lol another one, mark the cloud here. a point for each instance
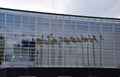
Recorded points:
(106, 8)
(114, 11)
(56, 6)
(94, 7)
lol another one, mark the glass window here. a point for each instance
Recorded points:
(25, 19)
(72, 22)
(39, 21)
(17, 19)
(32, 20)
(10, 18)
(2, 17)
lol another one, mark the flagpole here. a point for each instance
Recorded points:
(82, 49)
(94, 39)
(88, 50)
(100, 50)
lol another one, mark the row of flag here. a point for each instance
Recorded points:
(52, 40)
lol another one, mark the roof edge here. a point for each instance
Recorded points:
(59, 14)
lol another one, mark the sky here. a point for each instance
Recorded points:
(99, 8)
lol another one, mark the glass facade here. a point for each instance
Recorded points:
(32, 39)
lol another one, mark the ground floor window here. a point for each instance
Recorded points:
(26, 76)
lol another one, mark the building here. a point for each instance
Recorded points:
(32, 40)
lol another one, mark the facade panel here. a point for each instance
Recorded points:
(30, 39)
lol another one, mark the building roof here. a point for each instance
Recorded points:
(58, 14)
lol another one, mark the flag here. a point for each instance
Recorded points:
(66, 40)
(78, 39)
(94, 38)
(73, 40)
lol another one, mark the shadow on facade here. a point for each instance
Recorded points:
(59, 72)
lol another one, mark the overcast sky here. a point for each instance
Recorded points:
(106, 8)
